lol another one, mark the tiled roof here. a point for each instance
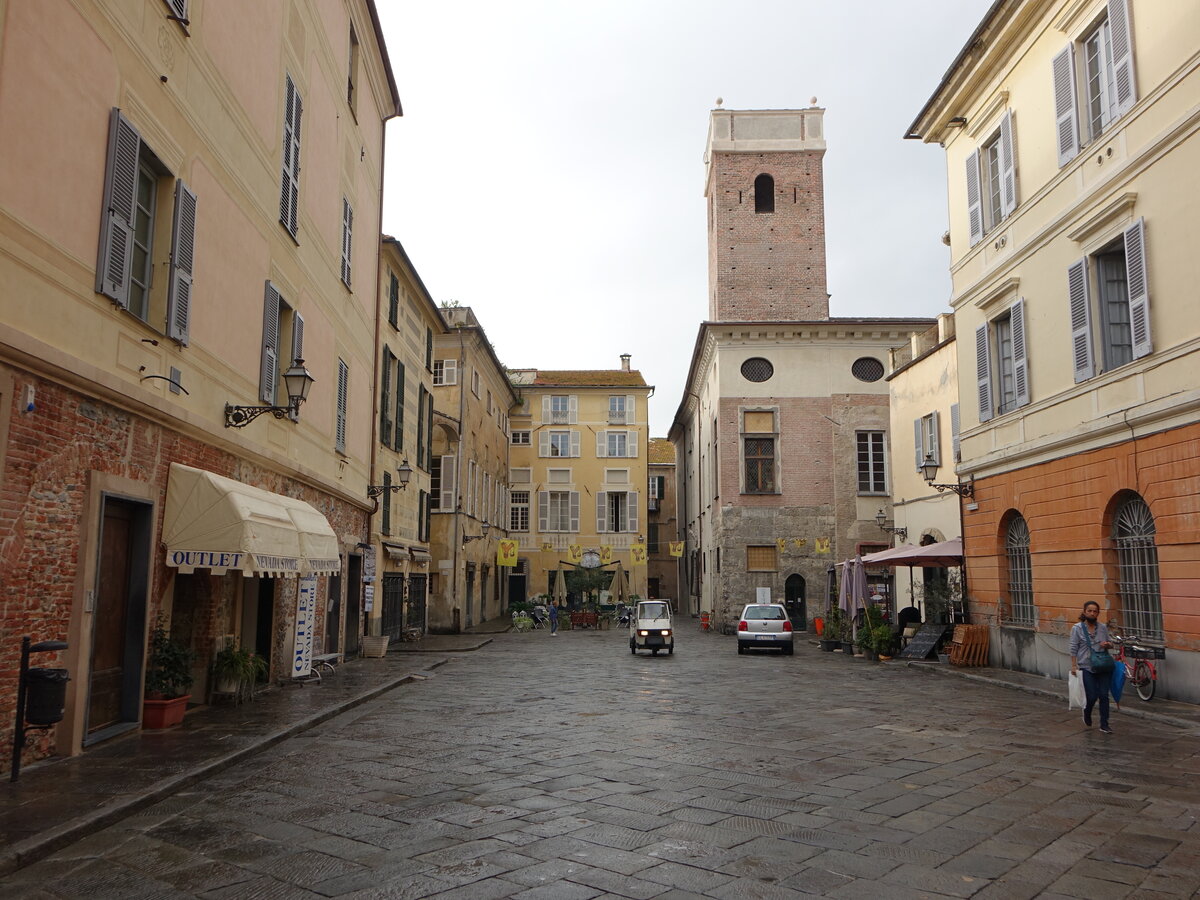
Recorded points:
(661, 452)
(591, 377)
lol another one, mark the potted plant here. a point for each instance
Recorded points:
(866, 642)
(168, 678)
(831, 633)
(236, 669)
(882, 641)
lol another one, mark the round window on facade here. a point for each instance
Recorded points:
(867, 368)
(757, 369)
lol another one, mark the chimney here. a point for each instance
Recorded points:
(625, 357)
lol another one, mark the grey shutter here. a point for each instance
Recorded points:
(543, 443)
(385, 399)
(983, 372)
(601, 444)
(1008, 166)
(1122, 54)
(631, 499)
(347, 237)
(120, 198)
(631, 442)
(546, 409)
(974, 199)
(1081, 320)
(543, 511)
(574, 511)
(428, 429)
(574, 443)
(178, 9)
(1139, 291)
(450, 371)
(601, 512)
(936, 436)
(297, 352)
(1065, 120)
(572, 410)
(447, 495)
(919, 441)
(1020, 354)
(289, 194)
(420, 431)
(343, 394)
(268, 376)
(183, 248)
(955, 428)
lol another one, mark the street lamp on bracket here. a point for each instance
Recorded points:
(298, 381)
(929, 470)
(881, 521)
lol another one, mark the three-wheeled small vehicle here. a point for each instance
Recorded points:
(650, 627)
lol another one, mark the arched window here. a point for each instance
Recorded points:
(1137, 564)
(764, 194)
(1020, 571)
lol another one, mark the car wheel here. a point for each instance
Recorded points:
(789, 650)
(671, 650)
(741, 648)
(654, 651)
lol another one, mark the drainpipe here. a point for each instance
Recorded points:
(455, 535)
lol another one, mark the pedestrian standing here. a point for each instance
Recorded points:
(553, 618)
(1089, 643)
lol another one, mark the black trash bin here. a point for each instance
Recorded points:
(45, 695)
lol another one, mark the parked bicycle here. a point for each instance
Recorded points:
(1140, 669)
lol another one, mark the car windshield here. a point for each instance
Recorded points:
(652, 611)
(763, 612)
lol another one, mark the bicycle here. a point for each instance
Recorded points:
(1140, 670)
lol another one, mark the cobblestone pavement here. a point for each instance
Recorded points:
(564, 767)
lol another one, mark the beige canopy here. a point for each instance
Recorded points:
(216, 523)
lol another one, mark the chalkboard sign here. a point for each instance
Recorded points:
(924, 643)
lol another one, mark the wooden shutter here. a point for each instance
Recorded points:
(450, 371)
(1008, 166)
(1139, 291)
(955, 428)
(385, 399)
(343, 394)
(572, 410)
(1065, 119)
(268, 376)
(399, 420)
(289, 195)
(297, 353)
(1121, 32)
(420, 431)
(574, 511)
(178, 10)
(183, 247)
(543, 443)
(631, 444)
(428, 428)
(1020, 354)
(574, 443)
(601, 444)
(631, 511)
(935, 436)
(983, 372)
(602, 512)
(919, 441)
(543, 511)
(974, 199)
(446, 498)
(386, 526)
(1081, 320)
(630, 409)
(546, 409)
(347, 239)
(429, 349)
(120, 198)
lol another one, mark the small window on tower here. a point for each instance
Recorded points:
(764, 194)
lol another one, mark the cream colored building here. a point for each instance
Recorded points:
(181, 188)
(578, 473)
(468, 475)
(409, 323)
(1071, 136)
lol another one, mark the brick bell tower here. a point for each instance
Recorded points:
(766, 215)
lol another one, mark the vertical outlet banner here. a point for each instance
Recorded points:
(306, 611)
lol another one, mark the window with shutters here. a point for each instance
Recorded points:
(352, 75)
(1109, 300)
(149, 226)
(992, 181)
(385, 502)
(420, 431)
(289, 194)
(520, 438)
(518, 511)
(347, 240)
(617, 511)
(428, 349)
(435, 483)
(1093, 80)
(559, 512)
(445, 371)
(618, 443)
(560, 409)
(385, 398)
(282, 344)
(872, 462)
(422, 515)
(560, 443)
(1002, 366)
(343, 397)
(617, 410)
(926, 440)
(393, 300)
(398, 443)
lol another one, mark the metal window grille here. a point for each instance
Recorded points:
(414, 610)
(760, 465)
(1020, 572)
(393, 606)
(1137, 563)
(757, 369)
(867, 368)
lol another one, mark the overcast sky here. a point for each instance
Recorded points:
(548, 168)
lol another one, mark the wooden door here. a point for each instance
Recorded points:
(110, 628)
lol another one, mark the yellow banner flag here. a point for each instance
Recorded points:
(547, 546)
(575, 553)
(799, 542)
(605, 554)
(506, 553)
(781, 543)
(637, 554)
(676, 547)
(822, 545)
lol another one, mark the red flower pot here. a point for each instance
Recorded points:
(164, 713)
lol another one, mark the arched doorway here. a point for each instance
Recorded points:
(795, 601)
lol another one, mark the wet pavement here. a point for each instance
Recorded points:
(564, 767)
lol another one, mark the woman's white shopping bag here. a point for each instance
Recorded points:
(1076, 698)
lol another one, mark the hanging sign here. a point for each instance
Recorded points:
(637, 555)
(575, 553)
(676, 548)
(605, 554)
(306, 611)
(506, 553)
(822, 545)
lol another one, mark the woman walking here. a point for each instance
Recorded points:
(1089, 643)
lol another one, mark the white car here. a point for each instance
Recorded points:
(765, 625)
(650, 627)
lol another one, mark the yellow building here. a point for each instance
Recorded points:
(468, 475)
(397, 567)
(578, 473)
(180, 191)
(1071, 136)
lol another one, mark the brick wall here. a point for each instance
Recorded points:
(766, 267)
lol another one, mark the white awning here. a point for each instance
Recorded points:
(216, 523)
